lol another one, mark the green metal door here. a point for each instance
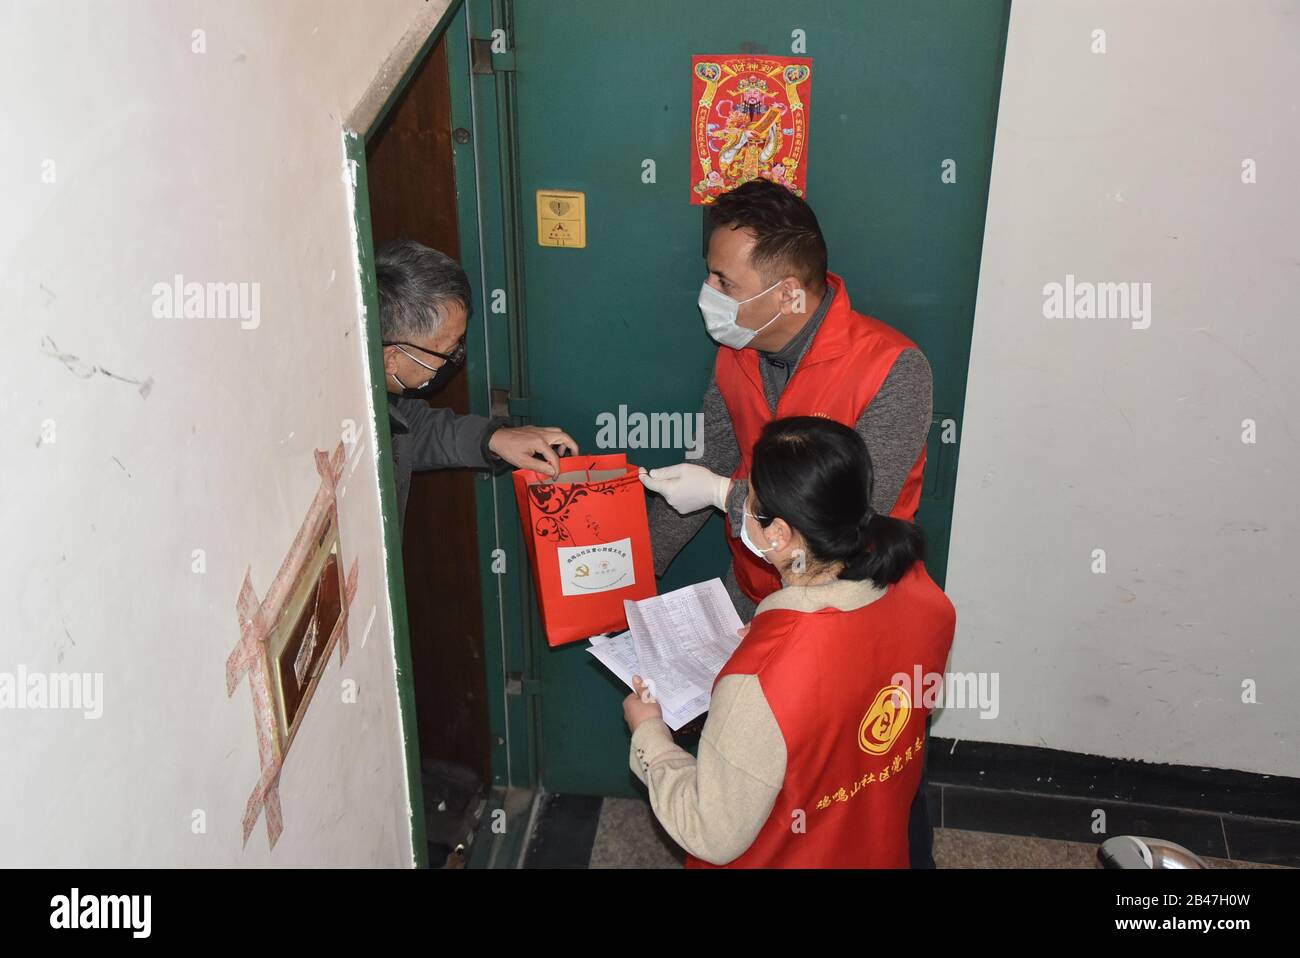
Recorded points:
(600, 87)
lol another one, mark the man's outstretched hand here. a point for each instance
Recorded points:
(521, 445)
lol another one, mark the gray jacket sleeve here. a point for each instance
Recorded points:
(441, 439)
(669, 530)
(895, 424)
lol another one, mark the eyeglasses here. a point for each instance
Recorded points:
(758, 517)
(456, 357)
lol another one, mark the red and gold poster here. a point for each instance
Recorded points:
(750, 120)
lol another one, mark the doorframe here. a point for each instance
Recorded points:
(486, 193)
(390, 532)
(488, 251)
(483, 157)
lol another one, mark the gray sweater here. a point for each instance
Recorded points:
(428, 437)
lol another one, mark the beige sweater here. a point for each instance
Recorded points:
(715, 806)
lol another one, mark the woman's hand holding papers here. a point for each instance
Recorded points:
(640, 705)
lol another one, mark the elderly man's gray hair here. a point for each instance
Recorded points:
(416, 286)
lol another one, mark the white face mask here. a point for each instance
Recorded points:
(720, 311)
(749, 543)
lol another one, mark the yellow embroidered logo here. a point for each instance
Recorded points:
(885, 720)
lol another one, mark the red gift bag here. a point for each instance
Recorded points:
(588, 541)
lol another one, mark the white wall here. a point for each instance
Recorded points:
(1090, 434)
(221, 166)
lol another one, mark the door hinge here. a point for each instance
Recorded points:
(519, 684)
(507, 406)
(500, 405)
(483, 60)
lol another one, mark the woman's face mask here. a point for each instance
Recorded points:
(749, 543)
(720, 312)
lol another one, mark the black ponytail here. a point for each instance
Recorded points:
(816, 474)
(889, 548)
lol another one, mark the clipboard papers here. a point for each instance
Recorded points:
(679, 642)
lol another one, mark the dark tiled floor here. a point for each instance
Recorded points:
(1044, 793)
(1208, 834)
(1042, 771)
(1075, 819)
(564, 832)
(955, 848)
(578, 831)
(1261, 840)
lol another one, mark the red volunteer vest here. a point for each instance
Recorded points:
(845, 366)
(853, 738)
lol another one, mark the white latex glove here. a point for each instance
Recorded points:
(688, 487)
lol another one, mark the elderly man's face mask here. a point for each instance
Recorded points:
(441, 373)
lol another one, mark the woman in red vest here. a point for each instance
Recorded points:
(811, 753)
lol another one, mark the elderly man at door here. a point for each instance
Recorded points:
(790, 344)
(424, 305)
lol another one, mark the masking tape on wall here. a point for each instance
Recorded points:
(250, 656)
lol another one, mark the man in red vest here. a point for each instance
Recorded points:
(790, 345)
